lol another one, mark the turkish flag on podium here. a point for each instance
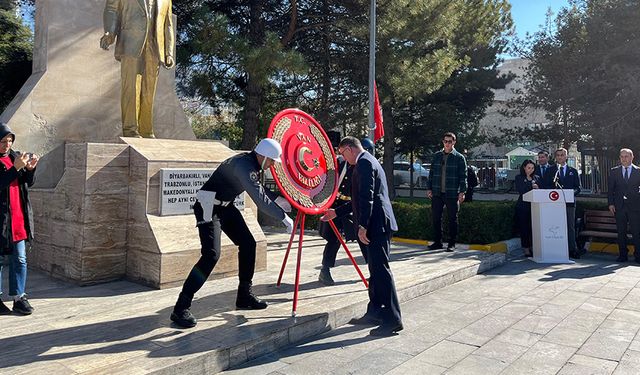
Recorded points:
(378, 132)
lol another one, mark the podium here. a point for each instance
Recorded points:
(549, 224)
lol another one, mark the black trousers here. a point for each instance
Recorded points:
(346, 227)
(468, 196)
(383, 299)
(624, 216)
(438, 202)
(523, 215)
(230, 221)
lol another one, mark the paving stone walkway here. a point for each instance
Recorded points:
(520, 318)
(124, 328)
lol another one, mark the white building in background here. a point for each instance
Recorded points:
(494, 123)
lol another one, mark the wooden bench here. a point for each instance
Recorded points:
(598, 224)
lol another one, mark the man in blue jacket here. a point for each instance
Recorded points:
(446, 187)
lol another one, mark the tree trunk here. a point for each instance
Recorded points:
(253, 93)
(389, 147)
(251, 112)
(325, 84)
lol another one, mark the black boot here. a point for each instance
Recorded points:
(325, 277)
(181, 314)
(184, 318)
(246, 300)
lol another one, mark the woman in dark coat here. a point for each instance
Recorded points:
(525, 181)
(16, 175)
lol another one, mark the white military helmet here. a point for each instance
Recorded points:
(270, 149)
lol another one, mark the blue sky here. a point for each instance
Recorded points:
(529, 15)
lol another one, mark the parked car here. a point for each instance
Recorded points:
(402, 173)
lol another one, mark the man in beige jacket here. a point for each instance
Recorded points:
(144, 36)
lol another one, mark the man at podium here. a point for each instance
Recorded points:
(562, 176)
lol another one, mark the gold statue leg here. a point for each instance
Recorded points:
(129, 98)
(148, 90)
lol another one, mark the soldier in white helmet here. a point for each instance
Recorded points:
(215, 212)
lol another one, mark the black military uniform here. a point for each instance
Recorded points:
(344, 224)
(235, 175)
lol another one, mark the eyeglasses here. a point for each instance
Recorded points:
(447, 141)
(341, 151)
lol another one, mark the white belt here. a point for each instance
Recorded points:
(221, 203)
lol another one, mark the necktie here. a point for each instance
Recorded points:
(562, 172)
(626, 173)
(543, 169)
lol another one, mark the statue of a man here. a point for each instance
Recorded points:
(144, 36)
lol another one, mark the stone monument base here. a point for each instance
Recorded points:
(102, 222)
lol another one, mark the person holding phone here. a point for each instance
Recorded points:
(17, 172)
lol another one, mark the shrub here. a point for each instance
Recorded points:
(478, 222)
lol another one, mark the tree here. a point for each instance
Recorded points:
(583, 73)
(15, 52)
(232, 52)
(437, 61)
(552, 79)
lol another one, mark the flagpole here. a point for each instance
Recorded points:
(372, 67)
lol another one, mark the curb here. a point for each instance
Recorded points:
(604, 247)
(505, 247)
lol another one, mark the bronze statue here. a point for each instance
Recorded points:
(144, 36)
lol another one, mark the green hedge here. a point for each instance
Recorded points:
(478, 222)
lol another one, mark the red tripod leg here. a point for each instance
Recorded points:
(344, 245)
(295, 292)
(286, 255)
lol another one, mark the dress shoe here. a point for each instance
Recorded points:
(366, 320)
(325, 277)
(574, 255)
(450, 247)
(184, 318)
(435, 246)
(387, 330)
(131, 134)
(621, 259)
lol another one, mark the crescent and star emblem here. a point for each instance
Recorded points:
(305, 150)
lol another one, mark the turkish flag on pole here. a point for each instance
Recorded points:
(378, 132)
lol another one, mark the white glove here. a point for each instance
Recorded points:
(288, 223)
(284, 204)
(206, 199)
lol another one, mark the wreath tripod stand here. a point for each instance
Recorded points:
(299, 223)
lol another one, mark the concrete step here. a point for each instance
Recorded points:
(124, 328)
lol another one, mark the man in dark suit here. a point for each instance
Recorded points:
(624, 202)
(373, 214)
(543, 164)
(562, 176)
